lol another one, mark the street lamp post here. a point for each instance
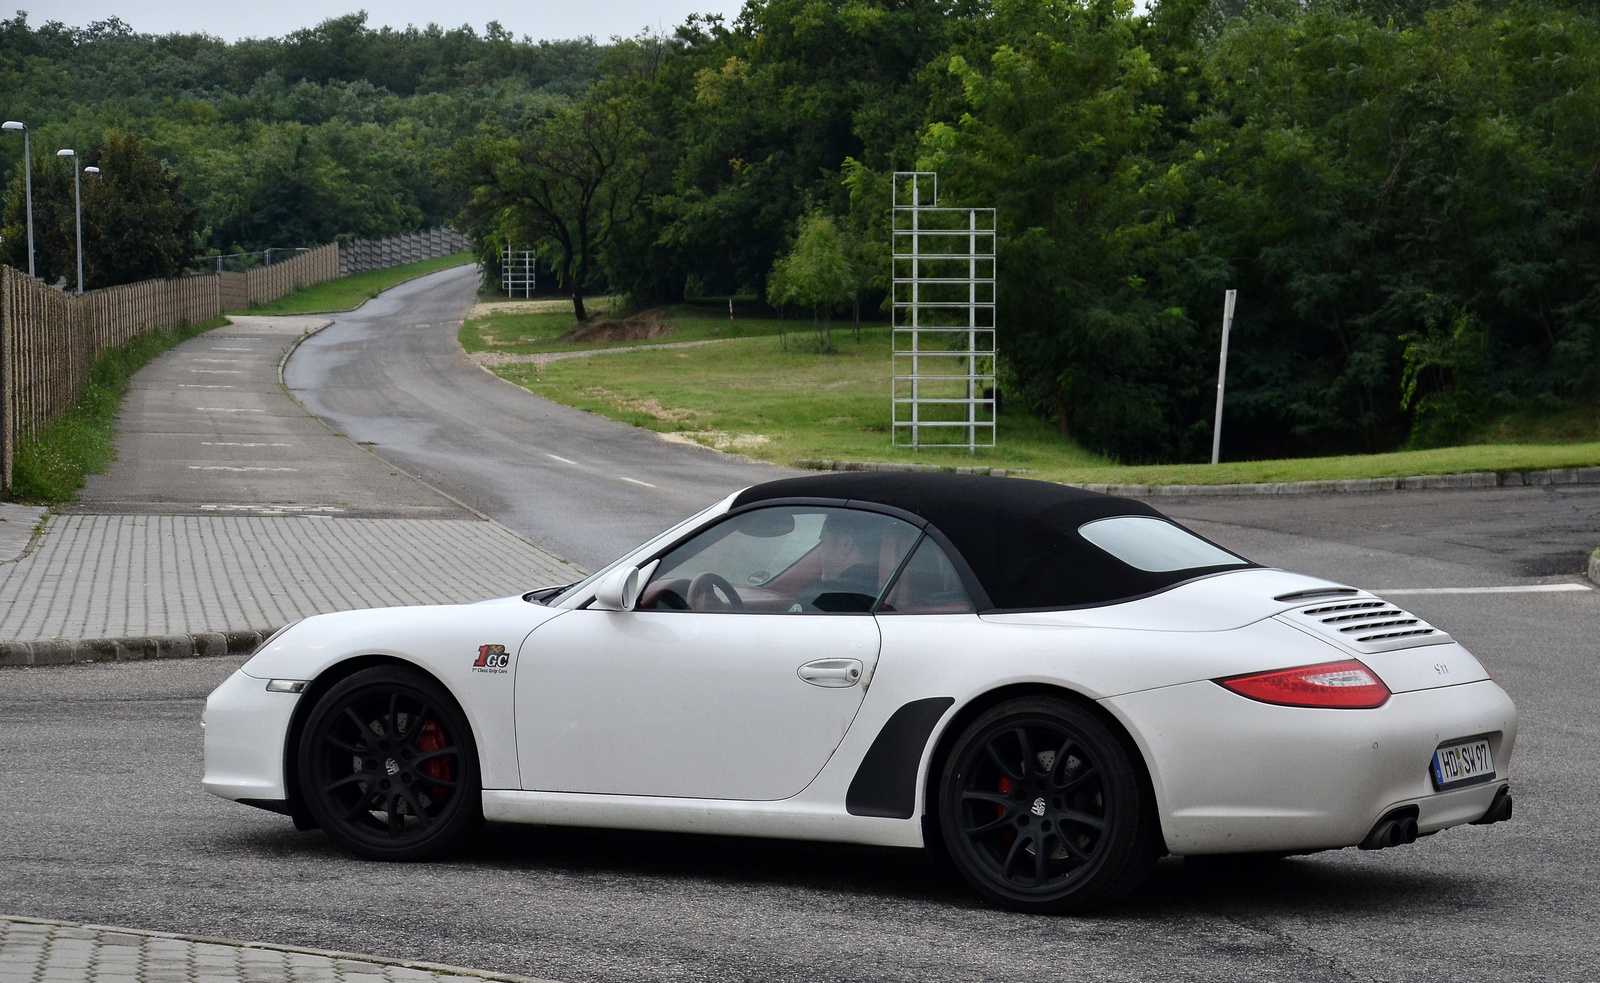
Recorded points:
(12, 126)
(77, 207)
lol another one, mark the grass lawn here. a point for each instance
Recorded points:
(520, 330)
(754, 398)
(349, 292)
(52, 467)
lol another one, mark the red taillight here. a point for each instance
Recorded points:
(1345, 685)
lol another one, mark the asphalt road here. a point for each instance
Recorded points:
(393, 375)
(207, 425)
(102, 818)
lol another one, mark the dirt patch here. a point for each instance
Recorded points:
(488, 338)
(649, 407)
(541, 306)
(718, 440)
(539, 360)
(646, 326)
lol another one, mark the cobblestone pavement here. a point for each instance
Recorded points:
(34, 951)
(105, 576)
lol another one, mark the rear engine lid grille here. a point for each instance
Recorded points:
(1367, 624)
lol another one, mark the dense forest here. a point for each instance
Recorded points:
(331, 131)
(1403, 191)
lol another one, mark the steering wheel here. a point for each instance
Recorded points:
(712, 592)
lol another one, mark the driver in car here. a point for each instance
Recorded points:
(848, 551)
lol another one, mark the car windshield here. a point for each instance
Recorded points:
(1155, 545)
(577, 589)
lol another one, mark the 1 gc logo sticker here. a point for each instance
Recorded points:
(492, 658)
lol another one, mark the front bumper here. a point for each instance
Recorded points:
(246, 727)
(1232, 775)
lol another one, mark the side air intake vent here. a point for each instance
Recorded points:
(1368, 624)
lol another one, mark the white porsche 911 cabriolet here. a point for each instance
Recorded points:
(1050, 686)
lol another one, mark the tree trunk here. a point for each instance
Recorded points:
(577, 305)
(1063, 415)
(827, 330)
(855, 316)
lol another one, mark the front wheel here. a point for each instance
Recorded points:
(1042, 809)
(388, 766)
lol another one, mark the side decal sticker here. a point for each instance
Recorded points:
(492, 659)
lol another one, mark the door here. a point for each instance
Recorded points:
(735, 678)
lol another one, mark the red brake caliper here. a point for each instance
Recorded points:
(432, 739)
(1008, 834)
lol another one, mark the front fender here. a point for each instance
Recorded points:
(456, 644)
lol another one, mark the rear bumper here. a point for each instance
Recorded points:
(1232, 775)
(245, 731)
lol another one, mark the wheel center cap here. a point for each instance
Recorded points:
(392, 767)
(1037, 810)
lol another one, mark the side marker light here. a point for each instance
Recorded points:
(286, 686)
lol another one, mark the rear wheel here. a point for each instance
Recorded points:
(388, 766)
(1043, 810)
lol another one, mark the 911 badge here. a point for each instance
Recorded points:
(492, 659)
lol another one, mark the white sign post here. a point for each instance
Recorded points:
(1222, 374)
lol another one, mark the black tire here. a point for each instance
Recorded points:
(388, 766)
(1042, 809)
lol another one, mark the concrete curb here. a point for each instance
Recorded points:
(1475, 479)
(814, 465)
(1594, 566)
(438, 969)
(66, 651)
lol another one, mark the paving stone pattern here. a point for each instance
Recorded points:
(33, 951)
(108, 576)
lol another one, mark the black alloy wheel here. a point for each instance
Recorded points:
(388, 766)
(1042, 809)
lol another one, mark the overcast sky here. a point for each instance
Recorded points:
(234, 19)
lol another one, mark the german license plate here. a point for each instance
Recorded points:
(1466, 763)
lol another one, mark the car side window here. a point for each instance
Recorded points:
(929, 584)
(783, 560)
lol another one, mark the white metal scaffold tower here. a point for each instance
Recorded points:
(943, 318)
(517, 275)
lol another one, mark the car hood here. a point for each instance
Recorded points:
(1219, 602)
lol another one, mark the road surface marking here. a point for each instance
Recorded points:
(230, 361)
(225, 409)
(218, 371)
(1518, 589)
(217, 349)
(235, 443)
(636, 481)
(224, 467)
(196, 385)
(557, 457)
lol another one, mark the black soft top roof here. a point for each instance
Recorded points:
(1019, 537)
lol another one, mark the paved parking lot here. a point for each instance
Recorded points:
(103, 820)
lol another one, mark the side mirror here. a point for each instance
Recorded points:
(618, 590)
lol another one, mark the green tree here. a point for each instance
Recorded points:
(1056, 124)
(816, 273)
(55, 243)
(136, 223)
(564, 185)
